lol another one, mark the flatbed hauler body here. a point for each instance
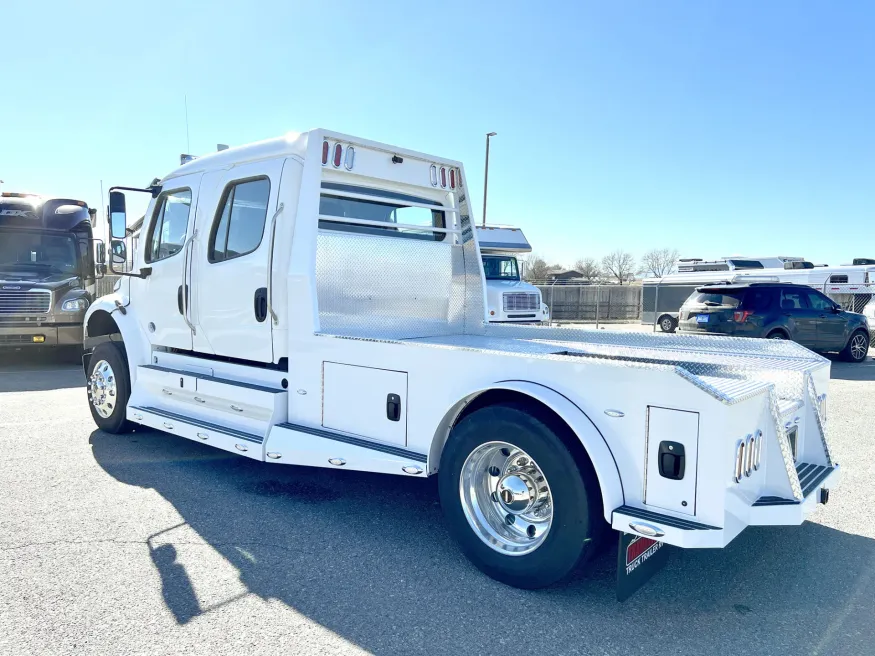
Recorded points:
(319, 300)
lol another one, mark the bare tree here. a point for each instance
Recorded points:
(589, 269)
(619, 265)
(537, 268)
(659, 261)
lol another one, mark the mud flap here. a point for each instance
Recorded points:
(638, 559)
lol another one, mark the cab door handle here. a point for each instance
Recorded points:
(393, 407)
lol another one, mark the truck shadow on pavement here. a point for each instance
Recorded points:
(368, 557)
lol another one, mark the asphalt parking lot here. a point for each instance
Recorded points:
(148, 543)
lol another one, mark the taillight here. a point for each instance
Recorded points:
(338, 154)
(452, 178)
(443, 177)
(325, 149)
(741, 316)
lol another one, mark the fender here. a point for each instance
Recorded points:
(592, 440)
(136, 345)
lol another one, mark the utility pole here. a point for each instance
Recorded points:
(486, 176)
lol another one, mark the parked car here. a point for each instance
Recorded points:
(777, 311)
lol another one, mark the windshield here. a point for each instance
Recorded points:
(500, 268)
(37, 251)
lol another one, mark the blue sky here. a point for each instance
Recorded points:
(712, 127)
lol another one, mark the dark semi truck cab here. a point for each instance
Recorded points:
(47, 270)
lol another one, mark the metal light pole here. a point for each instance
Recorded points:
(486, 175)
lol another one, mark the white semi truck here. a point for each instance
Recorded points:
(318, 299)
(509, 298)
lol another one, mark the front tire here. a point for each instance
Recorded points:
(857, 347)
(109, 388)
(515, 499)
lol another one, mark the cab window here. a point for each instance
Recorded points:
(169, 225)
(240, 219)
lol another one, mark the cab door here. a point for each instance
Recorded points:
(832, 326)
(163, 305)
(231, 269)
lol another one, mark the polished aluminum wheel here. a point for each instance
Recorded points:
(102, 388)
(506, 498)
(859, 346)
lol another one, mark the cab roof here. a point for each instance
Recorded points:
(292, 144)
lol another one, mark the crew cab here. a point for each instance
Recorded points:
(318, 299)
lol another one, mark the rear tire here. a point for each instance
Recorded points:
(777, 334)
(510, 451)
(109, 388)
(857, 347)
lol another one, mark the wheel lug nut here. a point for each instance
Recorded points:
(509, 519)
(522, 461)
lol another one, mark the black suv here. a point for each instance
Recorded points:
(777, 311)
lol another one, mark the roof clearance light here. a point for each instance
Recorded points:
(338, 155)
(325, 149)
(432, 174)
(452, 178)
(350, 158)
(443, 177)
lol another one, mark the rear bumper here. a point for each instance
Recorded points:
(686, 532)
(18, 336)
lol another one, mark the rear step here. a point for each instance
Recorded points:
(810, 477)
(666, 528)
(777, 511)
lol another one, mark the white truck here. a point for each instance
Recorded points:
(318, 299)
(509, 298)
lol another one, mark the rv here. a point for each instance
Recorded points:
(319, 300)
(47, 270)
(509, 299)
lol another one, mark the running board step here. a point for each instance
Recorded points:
(666, 528)
(245, 406)
(810, 477)
(198, 430)
(317, 447)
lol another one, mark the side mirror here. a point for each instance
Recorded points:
(119, 252)
(118, 220)
(837, 309)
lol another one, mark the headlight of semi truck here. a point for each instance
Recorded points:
(75, 305)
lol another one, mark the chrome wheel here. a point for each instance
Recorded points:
(102, 388)
(859, 346)
(506, 498)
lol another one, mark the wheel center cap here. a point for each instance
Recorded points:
(516, 493)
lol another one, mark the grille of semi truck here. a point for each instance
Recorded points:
(16, 301)
(521, 301)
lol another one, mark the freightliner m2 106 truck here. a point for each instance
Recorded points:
(47, 270)
(318, 299)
